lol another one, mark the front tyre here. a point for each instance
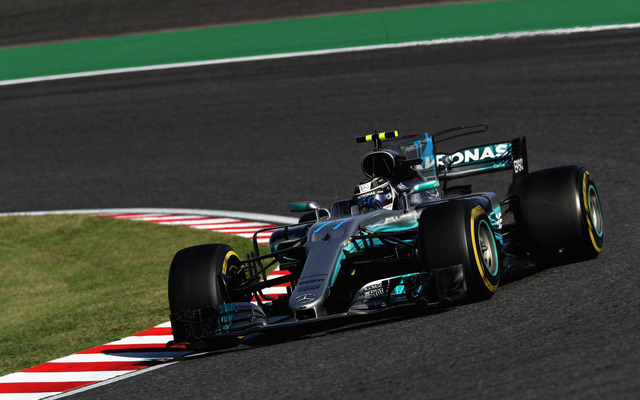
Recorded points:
(459, 232)
(195, 281)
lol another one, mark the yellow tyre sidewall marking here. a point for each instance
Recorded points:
(474, 215)
(225, 263)
(587, 207)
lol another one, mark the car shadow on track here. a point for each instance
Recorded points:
(332, 327)
(354, 323)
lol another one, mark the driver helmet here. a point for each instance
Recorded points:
(374, 194)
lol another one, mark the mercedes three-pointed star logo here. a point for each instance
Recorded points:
(305, 298)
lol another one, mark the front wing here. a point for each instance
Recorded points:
(232, 320)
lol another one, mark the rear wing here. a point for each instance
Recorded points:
(484, 159)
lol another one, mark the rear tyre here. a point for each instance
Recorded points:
(560, 213)
(459, 232)
(195, 281)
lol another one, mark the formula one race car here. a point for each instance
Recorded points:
(406, 238)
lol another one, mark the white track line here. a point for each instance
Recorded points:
(77, 376)
(27, 396)
(147, 339)
(58, 395)
(273, 219)
(498, 36)
(131, 356)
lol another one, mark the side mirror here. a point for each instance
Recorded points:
(419, 188)
(424, 186)
(308, 206)
(303, 206)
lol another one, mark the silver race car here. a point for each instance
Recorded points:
(405, 239)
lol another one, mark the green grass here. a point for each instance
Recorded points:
(73, 282)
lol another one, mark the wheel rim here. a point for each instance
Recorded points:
(487, 248)
(595, 213)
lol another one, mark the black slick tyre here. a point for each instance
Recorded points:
(459, 232)
(195, 279)
(560, 213)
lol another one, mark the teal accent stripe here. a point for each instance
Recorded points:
(340, 224)
(307, 34)
(320, 228)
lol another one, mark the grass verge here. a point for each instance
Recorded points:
(73, 282)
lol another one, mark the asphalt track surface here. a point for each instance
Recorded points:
(252, 137)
